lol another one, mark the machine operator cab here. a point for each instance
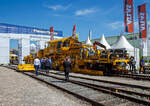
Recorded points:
(59, 45)
(87, 51)
(119, 58)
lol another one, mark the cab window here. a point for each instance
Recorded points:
(66, 44)
(59, 44)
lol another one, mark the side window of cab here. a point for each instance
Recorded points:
(59, 44)
(66, 43)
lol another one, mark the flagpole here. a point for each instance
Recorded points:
(133, 28)
(146, 2)
(144, 40)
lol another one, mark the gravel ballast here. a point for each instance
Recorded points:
(114, 79)
(17, 89)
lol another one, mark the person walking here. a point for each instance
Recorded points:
(142, 63)
(50, 63)
(133, 63)
(67, 66)
(36, 65)
(43, 62)
(47, 65)
(130, 64)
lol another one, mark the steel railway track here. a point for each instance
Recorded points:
(134, 76)
(104, 81)
(130, 94)
(93, 93)
(97, 96)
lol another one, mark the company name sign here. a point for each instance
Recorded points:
(8, 28)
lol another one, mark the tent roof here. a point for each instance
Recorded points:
(88, 42)
(122, 43)
(104, 42)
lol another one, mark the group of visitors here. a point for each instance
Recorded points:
(46, 64)
(43, 63)
(132, 64)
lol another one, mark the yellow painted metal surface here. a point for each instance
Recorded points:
(89, 72)
(26, 67)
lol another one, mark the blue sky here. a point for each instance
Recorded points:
(101, 16)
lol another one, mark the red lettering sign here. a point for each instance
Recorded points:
(142, 21)
(128, 16)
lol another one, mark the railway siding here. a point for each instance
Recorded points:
(93, 96)
(96, 92)
(17, 89)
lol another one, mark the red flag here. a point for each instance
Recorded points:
(128, 16)
(142, 21)
(74, 31)
(51, 33)
(74, 28)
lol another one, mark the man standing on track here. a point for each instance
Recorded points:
(37, 65)
(67, 66)
(50, 63)
(142, 63)
(132, 64)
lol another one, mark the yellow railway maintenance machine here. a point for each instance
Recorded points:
(85, 58)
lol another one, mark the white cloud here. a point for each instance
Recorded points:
(59, 7)
(116, 25)
(85, 11)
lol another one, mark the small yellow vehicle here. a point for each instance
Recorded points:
(25, 67)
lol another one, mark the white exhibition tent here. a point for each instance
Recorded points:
(88, 42)
(104, 42)
(123, 43)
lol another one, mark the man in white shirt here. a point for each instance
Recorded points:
(36, 65)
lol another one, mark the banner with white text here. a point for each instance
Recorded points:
(142, 21)
(128, 16)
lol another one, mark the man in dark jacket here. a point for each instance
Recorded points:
(43, 61)
(47, 65)
(67, 66)
(132, 64)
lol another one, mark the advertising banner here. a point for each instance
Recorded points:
(142, 21)
(17, 29)
(128, 16)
